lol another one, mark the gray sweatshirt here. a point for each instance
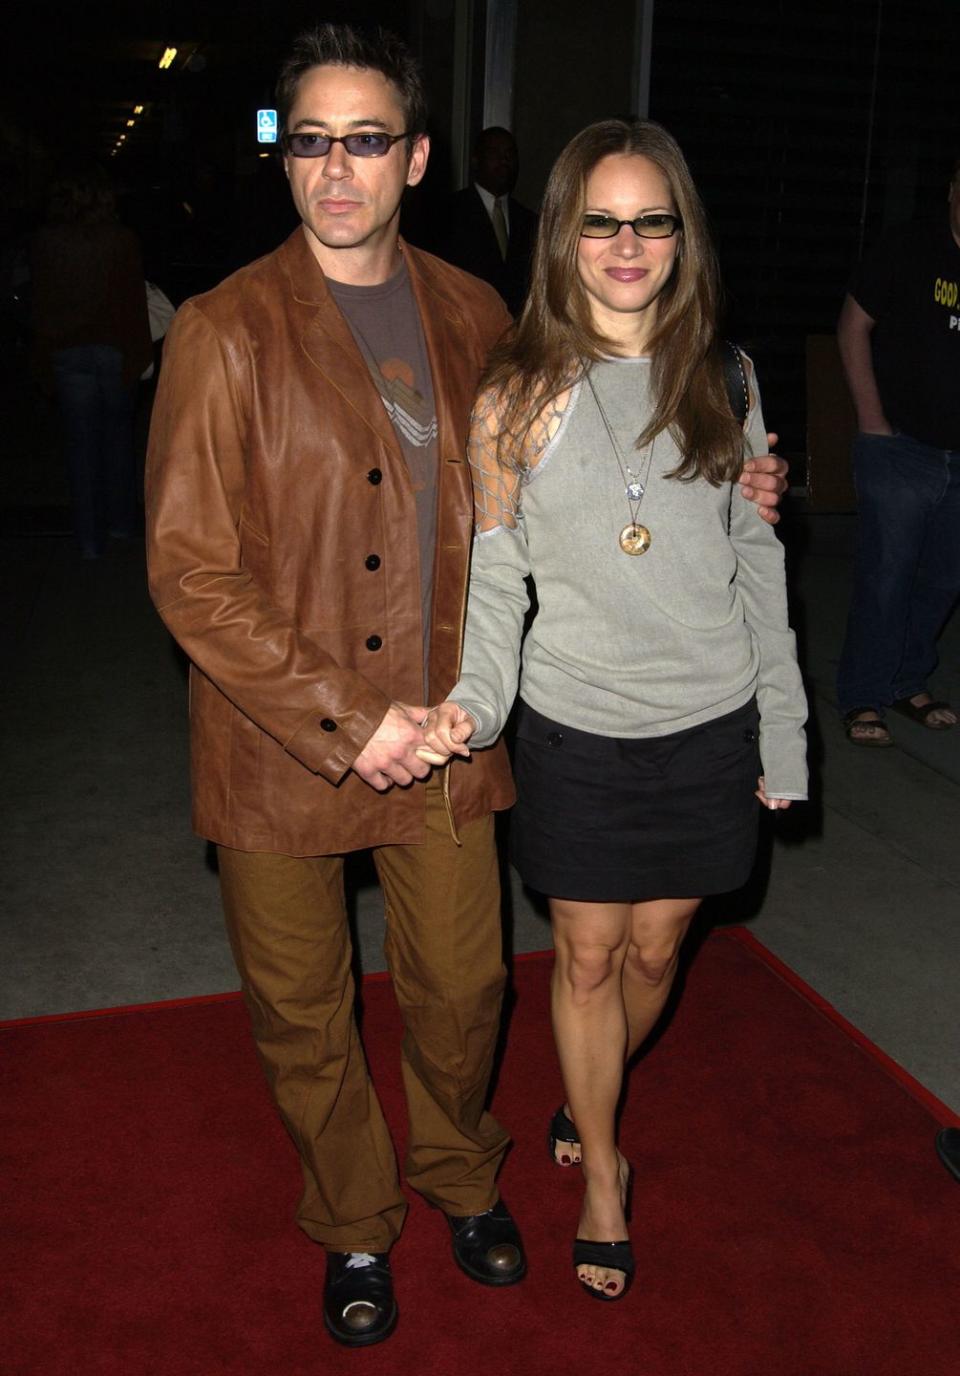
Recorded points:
(643, 645)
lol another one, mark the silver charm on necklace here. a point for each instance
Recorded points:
(634, 490)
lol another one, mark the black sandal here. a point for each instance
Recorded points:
(562, 1129)
(358, 1304)
(873, 732)
(614, 1256)
(920, 712)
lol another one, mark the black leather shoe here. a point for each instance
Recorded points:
(358, 1304)
(948, 1149)
(487, 1247)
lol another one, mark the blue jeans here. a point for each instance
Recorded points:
(907, 573)
(97, 410)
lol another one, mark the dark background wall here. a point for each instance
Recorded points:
(574, 60)
(808, 127)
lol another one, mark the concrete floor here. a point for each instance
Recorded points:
(108, 899)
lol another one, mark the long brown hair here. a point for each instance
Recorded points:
(555, 340)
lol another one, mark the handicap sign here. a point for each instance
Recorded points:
(266, 126)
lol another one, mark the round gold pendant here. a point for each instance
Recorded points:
(634, 539)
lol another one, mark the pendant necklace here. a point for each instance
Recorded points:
(634, 538)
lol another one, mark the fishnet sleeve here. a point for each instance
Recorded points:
(496, 485)
(498, 478)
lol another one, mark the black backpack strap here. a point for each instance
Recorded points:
(735, 379)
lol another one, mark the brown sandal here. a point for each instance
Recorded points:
(867, 731)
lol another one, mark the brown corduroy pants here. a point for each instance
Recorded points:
(286, 919)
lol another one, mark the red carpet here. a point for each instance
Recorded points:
(790, 1215)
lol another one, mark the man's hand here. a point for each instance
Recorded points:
(390, 755)
(447, 729)
(764, 480)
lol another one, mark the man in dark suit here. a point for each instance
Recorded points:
(485, 230)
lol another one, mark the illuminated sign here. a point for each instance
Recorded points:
(266, 126)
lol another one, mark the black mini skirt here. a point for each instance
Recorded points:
(601, 819)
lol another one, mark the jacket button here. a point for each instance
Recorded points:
(374, 476)
(373, 642)
(372, 562)
(555, 738)
(328, 725)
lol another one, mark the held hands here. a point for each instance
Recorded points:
(774, 804)
(411, 739)
(764, 480)
(391, 756)
(446, 730)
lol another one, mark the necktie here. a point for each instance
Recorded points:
(498, 219)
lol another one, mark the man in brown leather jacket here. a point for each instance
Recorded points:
(309, 516)
(309, 510)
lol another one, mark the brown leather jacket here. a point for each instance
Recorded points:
(273, 472)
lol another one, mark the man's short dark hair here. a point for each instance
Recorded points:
(341, 45)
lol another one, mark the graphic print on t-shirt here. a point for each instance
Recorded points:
(412, 414)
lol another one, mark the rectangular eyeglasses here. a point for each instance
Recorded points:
(370, 144)
(644, 226)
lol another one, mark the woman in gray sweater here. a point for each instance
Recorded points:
(659, 691)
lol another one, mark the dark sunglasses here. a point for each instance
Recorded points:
(644, 226)
(368, 145)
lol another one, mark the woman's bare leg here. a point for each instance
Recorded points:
(614, 968)
(656, 935)
(590, 1027)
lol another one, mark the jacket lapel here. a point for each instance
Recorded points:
(441, 322)
(328, 342)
